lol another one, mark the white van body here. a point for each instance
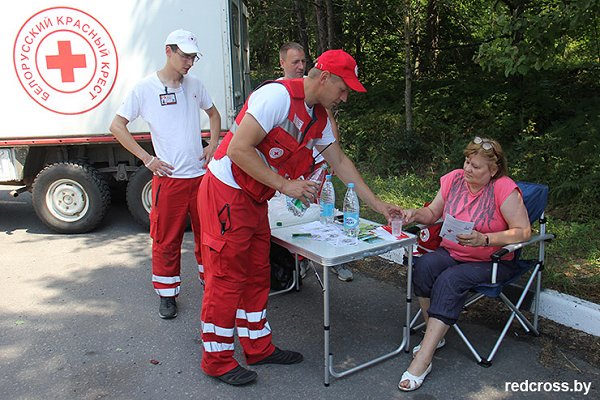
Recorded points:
(69, 66)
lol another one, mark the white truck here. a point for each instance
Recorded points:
(67, 67)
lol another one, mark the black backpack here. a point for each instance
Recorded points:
(282, 267)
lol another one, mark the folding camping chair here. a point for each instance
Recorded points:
(535, 197)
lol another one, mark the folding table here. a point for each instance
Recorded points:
(328, 255)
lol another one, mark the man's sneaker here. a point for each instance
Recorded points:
(343, 273)
(281, 357)
(238, 376)
(168, 308)
(305, 265)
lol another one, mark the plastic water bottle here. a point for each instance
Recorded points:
(318, 176)
(327, 201)
(295, 206)
(351, 212)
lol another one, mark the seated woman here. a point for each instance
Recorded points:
(482, 193)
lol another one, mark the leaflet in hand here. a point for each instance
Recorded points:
(452, 227)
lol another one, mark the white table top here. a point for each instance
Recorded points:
(327, 254)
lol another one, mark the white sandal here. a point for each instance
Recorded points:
(440, 344)
(414, 382)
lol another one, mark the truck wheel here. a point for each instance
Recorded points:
(139, 196)
(70, 197)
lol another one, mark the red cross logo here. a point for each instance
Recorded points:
(66, 61)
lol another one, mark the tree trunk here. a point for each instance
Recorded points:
(302, 28)
(516, 9)
(408, 68)
(334, 28)
(431, 39)
(321, 17)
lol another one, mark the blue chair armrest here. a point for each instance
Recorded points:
(511, 248)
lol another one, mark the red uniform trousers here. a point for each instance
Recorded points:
(173, 199)
(236, 241)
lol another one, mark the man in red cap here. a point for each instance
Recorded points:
(292, 60)
(267, 149)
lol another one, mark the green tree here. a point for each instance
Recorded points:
(537, 35)
(525, 72)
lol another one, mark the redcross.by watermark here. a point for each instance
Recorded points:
(536, 386)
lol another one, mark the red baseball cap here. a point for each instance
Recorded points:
(340, 63)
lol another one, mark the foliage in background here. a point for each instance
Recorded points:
(549, 128)
(524, 72)
(534, 35)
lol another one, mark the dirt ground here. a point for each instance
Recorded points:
(558, 341)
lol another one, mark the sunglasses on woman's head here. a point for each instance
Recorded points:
(486, 144)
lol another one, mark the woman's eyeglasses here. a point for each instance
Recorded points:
(486, 144)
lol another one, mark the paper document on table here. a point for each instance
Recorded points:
(331, 233)
(453, 226)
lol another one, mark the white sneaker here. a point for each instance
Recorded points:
(343, 273)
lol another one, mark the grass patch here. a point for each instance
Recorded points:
(572, 260)
(407, 191)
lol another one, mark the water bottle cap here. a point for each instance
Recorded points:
(327, 176)
(350, 185)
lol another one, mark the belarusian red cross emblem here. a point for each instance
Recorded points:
(66, 61)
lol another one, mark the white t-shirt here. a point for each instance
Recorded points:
(270, 106)
(175, 128)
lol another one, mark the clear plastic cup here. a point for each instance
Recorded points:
(397, 226)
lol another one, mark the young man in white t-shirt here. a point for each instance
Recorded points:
(170, 101)
(292, 59)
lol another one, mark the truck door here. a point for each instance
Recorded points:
(240, 65)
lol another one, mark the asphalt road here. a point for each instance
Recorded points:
(79, 320)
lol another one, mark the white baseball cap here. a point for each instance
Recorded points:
(185, 40)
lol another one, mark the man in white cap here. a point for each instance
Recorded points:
(170, 100)
(267, 150)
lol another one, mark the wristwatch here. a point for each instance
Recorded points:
(487, 240)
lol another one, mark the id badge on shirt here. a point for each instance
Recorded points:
(167, 99)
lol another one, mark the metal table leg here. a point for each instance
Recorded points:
(409, 273)
(295, 279)
(328, 361)
(329, 370)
